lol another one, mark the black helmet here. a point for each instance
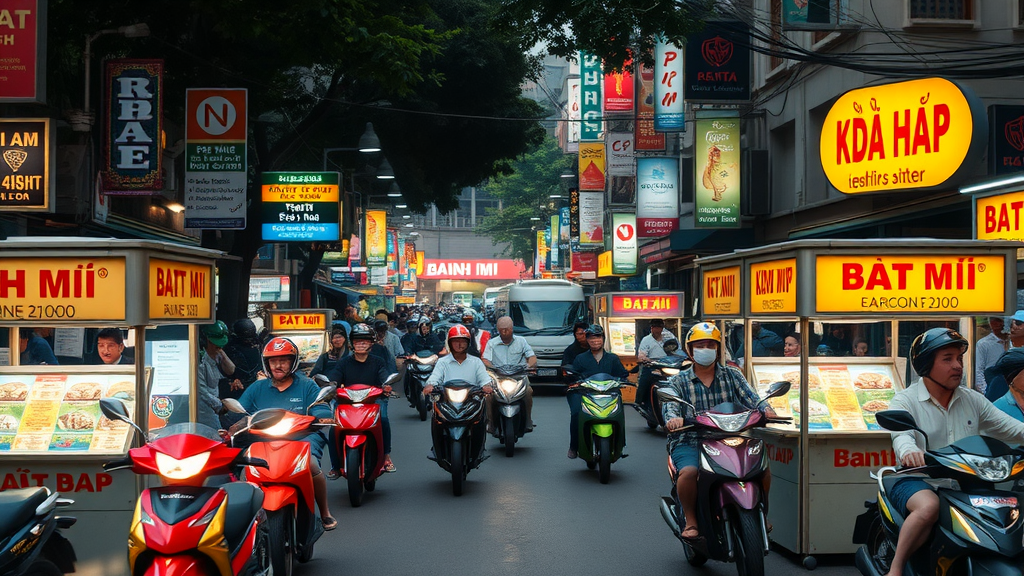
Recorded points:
(595, 330)
(922, 351)
(380, 325)
(362, 332)
(244, 328)
(1010, 364)
(670, 346)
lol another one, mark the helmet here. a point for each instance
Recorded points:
(343, 325)
(244, 329)
(380, 325)
(1010, 364)
(823, 350)
(670, 346)
(703, 331)
(924, 347)
(216, 333)
(595, 330)
(362, 332)
(278, 347)
(457, 331)
(468, 318)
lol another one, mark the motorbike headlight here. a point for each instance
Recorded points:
(170, 467)
(282, 428)
(508, 386)
(990, 469)
(669, 371)
(456, 395)
(730, 422)
(301, 465)
(359, 395)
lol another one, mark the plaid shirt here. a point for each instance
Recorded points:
(729, 385)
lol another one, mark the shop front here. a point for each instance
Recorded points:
(626, 318)
(80, 294)
(836, 318)
(309, 329)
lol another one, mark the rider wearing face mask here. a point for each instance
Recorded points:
(705, 384)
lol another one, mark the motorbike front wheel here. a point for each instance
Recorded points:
(43, 567)
(282, 535)
(509, 426)
(750, 543)
(604, 462)
(880, 549)
(458, 472)
(421, 406)
(353, 459)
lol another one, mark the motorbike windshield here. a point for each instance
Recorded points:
(554, 318)
(185, 428)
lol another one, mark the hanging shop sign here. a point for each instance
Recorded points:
(624, 244)
(773, 287)
(647, 305)
(574, 215)
(301, 320)
(604, 264)
(592, 123)
(717, 173)
(965, 283)
(542, 253)
(814, 15)
(133, 105)
(999, 217)
(585, 264)
(718, 63)
(555, 241)
(592, 166)
(216, 161)
(618, 90)
(646, 137)
(59, 289)
(179, 290)
(472, 269)
(23, 63)
(721, 291)
(1006, 139)
(668, 88)
(621, 160)
(657, 197)
(301, 206)
(376, 237)
(564, 238)
(591, 218)
(573, 114)
(27, 148)
(919, 134)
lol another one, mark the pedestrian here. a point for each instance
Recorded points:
(988, 350)
(33, 349)
(243, 349)
(110, 347)
(214, 366)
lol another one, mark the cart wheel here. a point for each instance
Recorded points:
(810, 562)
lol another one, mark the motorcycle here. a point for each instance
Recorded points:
(978, 531)
(31, 543)
(286, 480)
(458, 429)
(360, 438)
(602, 423)
(730, 502)
(663, 368)
(510, 384)
(419, 366)
(184, 527)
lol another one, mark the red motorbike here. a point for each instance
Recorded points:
(287, 482)
(360, 437)
(183, 527)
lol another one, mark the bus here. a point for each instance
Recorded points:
(464, 299)
(543, 312)
(489, 298)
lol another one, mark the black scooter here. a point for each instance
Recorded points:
(459, 429)
(510, 383)
(978, 531)
(663, 368)
(418, 368)
(31, 543)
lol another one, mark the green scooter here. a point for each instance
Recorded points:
(602, 422)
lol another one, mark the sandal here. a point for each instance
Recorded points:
(333, 475)
(390, 467)
(329, 523)
(692, 530)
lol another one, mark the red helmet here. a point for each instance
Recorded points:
(457, 331)
(278, 347)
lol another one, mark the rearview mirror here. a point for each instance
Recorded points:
(669, 395)
(232, 405)
(392, 379)
(322, 395)
(116, 409)
(897, 421)
(321, 380)
(776, 389)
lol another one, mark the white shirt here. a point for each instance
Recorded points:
(653, 348)
(515, 353)
(986, 352)
(471, 370)
(969, 414)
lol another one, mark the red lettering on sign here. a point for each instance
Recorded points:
(846, 459)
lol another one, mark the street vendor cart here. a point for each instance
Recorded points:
(309, 329)
(853, 307)
(51, 430)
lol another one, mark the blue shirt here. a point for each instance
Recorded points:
(38, 352)
(1007, 403)
(586, 366)
(295, 398)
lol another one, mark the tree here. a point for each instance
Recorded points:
(535, 177)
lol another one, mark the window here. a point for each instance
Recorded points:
(941, 12)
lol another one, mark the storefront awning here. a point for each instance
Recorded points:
(690, 243)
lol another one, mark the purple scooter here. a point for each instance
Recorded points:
(730, 502)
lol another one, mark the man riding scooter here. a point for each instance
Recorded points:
(651, 348)
(509, 350)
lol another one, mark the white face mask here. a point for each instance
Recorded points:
(705, 356)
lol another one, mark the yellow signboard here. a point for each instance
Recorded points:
(722, 291)
(966, 284)
(905, 135)
(604, 264)
(62, 289)
(773, 286)
(998, 217)
(283, 321)
(179, 290)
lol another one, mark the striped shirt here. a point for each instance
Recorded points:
(729, 385)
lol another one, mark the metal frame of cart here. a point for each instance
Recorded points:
(820, 477)
(299, 325)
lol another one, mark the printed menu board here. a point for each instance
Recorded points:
(61, 413)
(622, 337)
(311, 346)
(842, 397)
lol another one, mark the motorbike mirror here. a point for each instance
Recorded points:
(897, 421)
(392, 379)
(116, 409)
(232, 405)
(266, 418)
(666, 394)
(321, 380)
(776, 389)
(322, 395)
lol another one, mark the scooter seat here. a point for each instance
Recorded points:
(889, 480)
(17, 507)
(244, 502)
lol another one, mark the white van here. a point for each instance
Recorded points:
(543, 312)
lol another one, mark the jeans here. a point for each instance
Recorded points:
(575, 400)
(643, 387)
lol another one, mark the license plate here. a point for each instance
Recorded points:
(547, 372)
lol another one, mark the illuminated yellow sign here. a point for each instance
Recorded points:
(773, 286)
(297, 321)
(895, 284)
(913, 134)
(62, 289)
(998, 217)
(722, 291)
(604, 264)
(179, 290)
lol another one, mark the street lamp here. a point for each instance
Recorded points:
(384, 171)
(368, 142)
(394, 191)
(83, 122)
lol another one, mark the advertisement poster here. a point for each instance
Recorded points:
(556, 224)
(574, 215)
(300, 206)
(563, 226)
(392, 251)
(592, 123)
(618, 90)
(26, 147)
(132, 150)
(591, 218)
(592, 166)
(542, 253)
(717, 173)
(24, 53)
(718, 63)
(573, 115)
(624, 244)
(1006, 139)
(376, 238)
(620, 154)
(622, 337)
(216, 164)
(646, 137)
(657, 198)
(668, 88)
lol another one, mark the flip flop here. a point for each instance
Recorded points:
(390, 467)
(329, 523)
(333, 475)
(696, 538)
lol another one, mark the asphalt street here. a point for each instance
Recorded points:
(536, 513)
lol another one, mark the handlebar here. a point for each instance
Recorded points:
(119, 464)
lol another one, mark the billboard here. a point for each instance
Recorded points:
(592, 218)
(717, 173)
(216, 160)
(133, 107)
(592, 166)
(300, 206)
(668, 88)
(657, 196)
(624, 244)
(376, 238)
(646, 137)
(718, 63)
(26, 147)
(592, 127)
(23, 77)
(618, 90)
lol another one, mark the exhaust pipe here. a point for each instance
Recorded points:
(668, 514)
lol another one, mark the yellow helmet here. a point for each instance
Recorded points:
(703, 331)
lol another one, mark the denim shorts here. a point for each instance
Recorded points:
(684, 455)
(902, 490)
(316, 441)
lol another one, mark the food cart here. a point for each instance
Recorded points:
(309, 329)
(51, 430)
(886, 290)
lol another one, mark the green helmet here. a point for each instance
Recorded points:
(216, 333)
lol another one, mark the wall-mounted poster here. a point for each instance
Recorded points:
(717, 173)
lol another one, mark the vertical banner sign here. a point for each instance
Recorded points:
(657, 198)
(624, 244)
(542, 253)
(563, 227)
(618, 90)
(392, 252)
(718, 63)
(555, 252)
(620, 154)
(668, 88)
(717, 173)
(1006, 139)
(547, 249)
(300, 206)
(573, 131)
(591, 166)
(216, 175)
(646, 137)
(591, 219)
(592, 124)
(376, 237)
(133, 105)
(26, 149)
(574, 215)
(23, 59)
